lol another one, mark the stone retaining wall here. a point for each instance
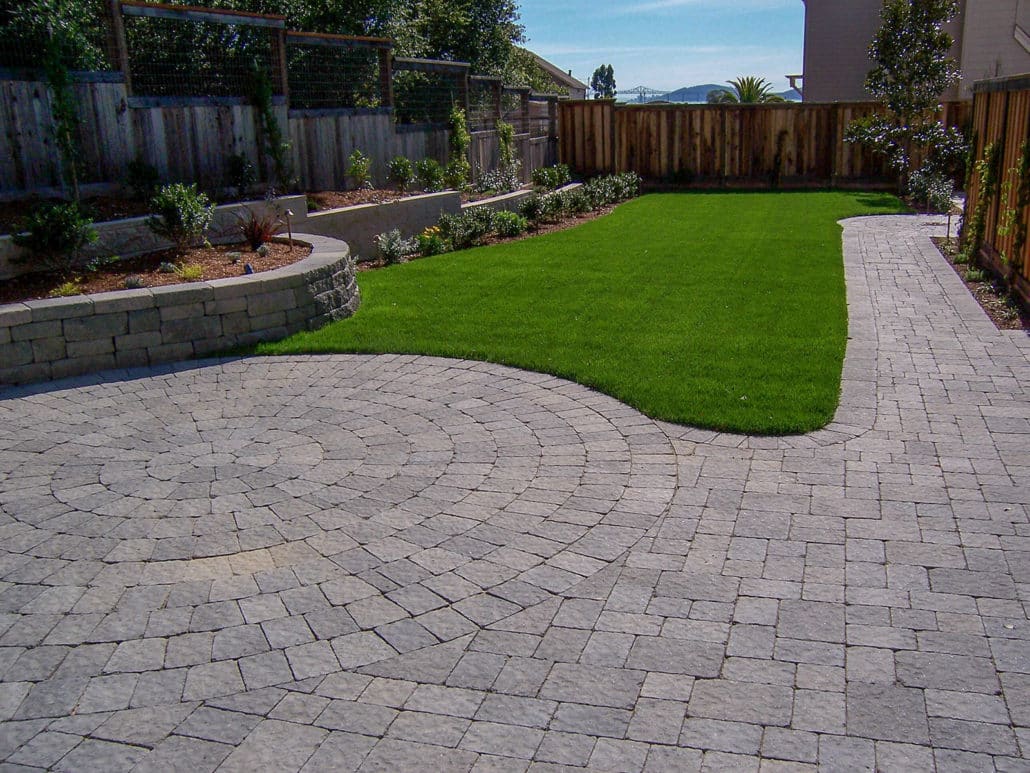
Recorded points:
(54, 338)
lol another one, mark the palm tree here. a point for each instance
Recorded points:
(747, 90)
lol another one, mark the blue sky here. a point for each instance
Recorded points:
(666, 44)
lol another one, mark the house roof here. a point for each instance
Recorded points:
(557, 74)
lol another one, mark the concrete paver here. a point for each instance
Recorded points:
(405, 563)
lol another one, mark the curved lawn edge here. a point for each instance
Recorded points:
(722, 311)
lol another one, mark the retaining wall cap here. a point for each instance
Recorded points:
(14, 314)
(60, 308)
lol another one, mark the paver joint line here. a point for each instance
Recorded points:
(403, 563)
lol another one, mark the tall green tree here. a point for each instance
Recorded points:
(747, 90)
(912, 68)
(602, 82)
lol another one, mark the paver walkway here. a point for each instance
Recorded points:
(403, 563)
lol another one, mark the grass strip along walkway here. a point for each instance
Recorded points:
(717, 310)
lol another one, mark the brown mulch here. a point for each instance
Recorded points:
(991, 294)
(543, 228)
(215, 261)
(323, 200)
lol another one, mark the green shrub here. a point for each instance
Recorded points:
(457, 173)
(359, 169)
(393, 247)
(552, 177)
(611, 189)
(551, 208)
(575, 202)
(143, 179)
(190, 272)
(468, 229)
(531, 208)
(402, 173)
(54, 235)
(510, 224)
(67, 289)
(180, 214)
(430, 174)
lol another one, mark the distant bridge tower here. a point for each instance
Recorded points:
(643, 94)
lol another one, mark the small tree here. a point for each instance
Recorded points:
(912, 70)
(602, 83)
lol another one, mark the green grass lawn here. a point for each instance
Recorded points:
(717, 310)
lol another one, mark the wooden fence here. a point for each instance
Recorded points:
(1001, 117)
(190, 135)
(743, 145)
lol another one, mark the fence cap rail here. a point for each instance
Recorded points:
(344, 41)
(429, 65)
(197, 13)
(1010, 83)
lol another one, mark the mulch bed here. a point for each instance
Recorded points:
(215, 261)
(991, 294)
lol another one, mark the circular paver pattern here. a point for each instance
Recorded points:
(248, 523)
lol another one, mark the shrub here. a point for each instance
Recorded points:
(430, 242)
(575, 202)
(551, 207)
(258, 229)
(531, 208)
(143, 179)
(430, 174)
(359, 169)
(456, 175)
(54, 235)
(510, 224)
(931, 189)
(190, 272)
(499, 180)
(611, 189)
(468, 229)
(240, 173)
(393, 247)
(402, 173)
(180, 214)
(66, 289)
(552, 177)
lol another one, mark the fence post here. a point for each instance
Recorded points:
(279, 64)
(463, 94)
(524, 97)
(118, 47)
(498, 102)
(386, 77)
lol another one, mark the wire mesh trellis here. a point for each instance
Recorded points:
(200, 56)
(426, 97)
(514, 109)
(484, 93)
(81, 36)
(330, 71)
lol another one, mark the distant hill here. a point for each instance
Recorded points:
(699, 94)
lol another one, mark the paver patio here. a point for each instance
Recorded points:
(401, 563)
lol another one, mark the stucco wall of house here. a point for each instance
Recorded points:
(837, 37)
(990, 48)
